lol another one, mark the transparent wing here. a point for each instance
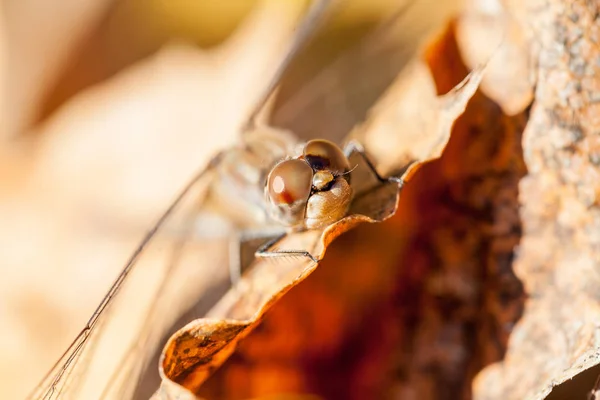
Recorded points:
(314, 15)
(330, 101)
(171, 270)
(166, 275)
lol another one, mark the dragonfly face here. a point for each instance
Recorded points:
(271, 180)
(312, 190)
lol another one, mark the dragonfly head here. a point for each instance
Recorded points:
(312, 190)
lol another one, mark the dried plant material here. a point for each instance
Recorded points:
(195, 351)
(486, 31)
(558, 259)
(416, 305)
(412, 104)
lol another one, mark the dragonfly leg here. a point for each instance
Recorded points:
(265, 251)
(354, 146)
(243, 246)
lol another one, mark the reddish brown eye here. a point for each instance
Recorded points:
(323, 154)
(289, 182)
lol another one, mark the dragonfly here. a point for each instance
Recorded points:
(271, 185)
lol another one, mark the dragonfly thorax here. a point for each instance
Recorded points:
(237, 191)
(312, 190)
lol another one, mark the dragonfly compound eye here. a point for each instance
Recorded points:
(325, 155)
(288, 188)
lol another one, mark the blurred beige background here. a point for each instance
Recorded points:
(107, 108)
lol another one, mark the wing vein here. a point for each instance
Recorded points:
(80, 341)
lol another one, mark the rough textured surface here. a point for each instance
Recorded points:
(559, 257)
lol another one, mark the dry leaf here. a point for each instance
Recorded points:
(412, 103)
(486, 31)
(194, 352)
(393, 308)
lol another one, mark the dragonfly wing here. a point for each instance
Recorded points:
(337, 97)
(315, 13)
(167, 274)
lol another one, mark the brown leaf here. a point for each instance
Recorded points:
(193, 353)
(485, 30)
(196, 350)
(412, 103)
(416, 305)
